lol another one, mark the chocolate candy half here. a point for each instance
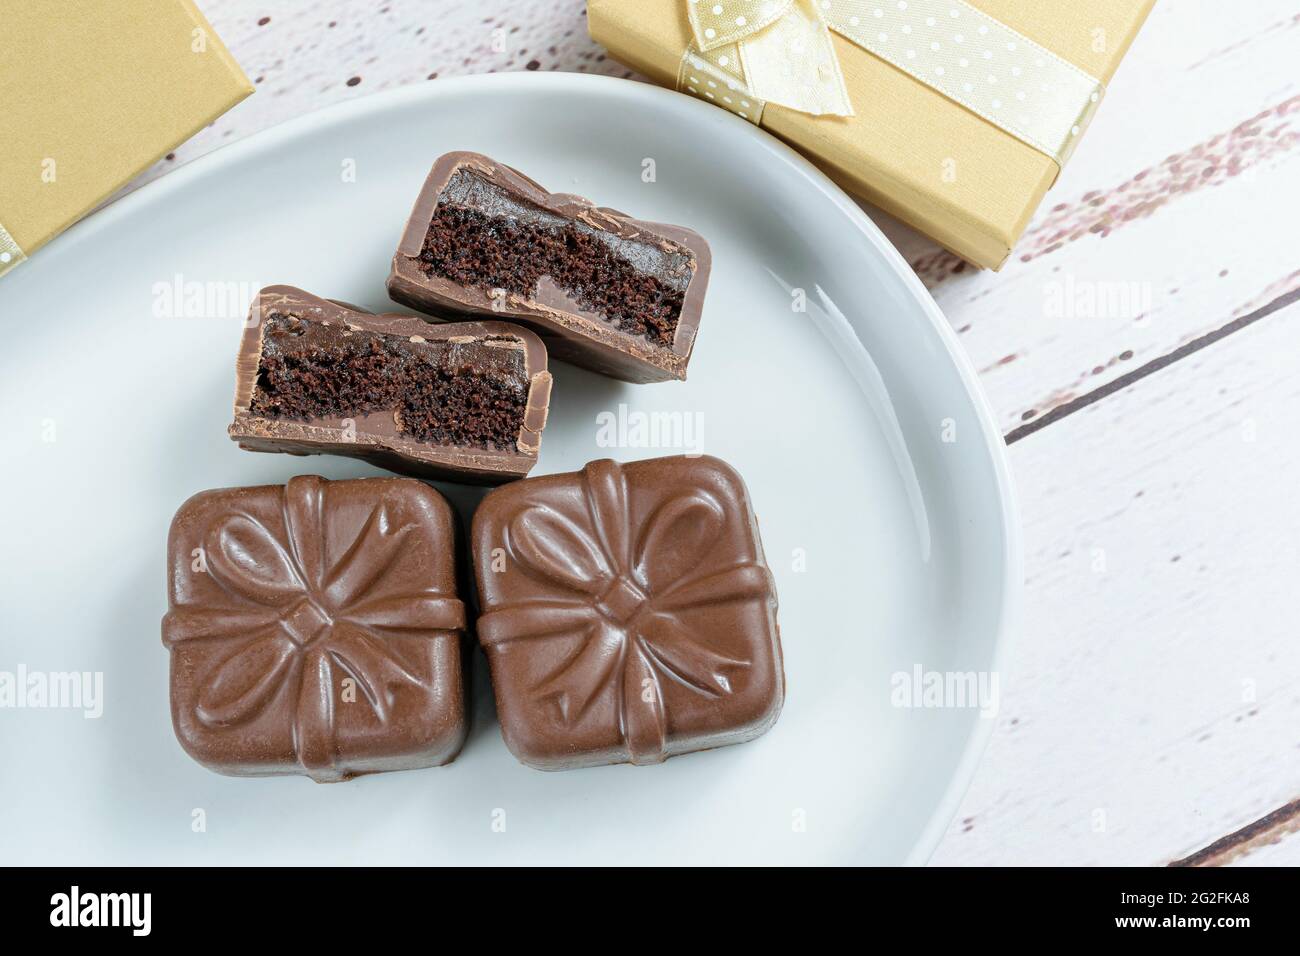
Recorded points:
(627, 613)
(607, 292)
(315, 628)
(466, 402)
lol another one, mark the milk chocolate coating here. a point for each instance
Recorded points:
(314, 628)
(375, 436)
(627, 613)
(571, 333)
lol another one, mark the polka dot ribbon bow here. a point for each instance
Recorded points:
(748, 53)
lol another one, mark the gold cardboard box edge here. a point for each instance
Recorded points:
(33, 227)
(247, 89)
(979, 220)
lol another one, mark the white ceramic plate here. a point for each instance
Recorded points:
(877, 474)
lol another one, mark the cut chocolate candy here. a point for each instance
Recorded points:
(627, 613)
(466, 401)
(315, 628)
(607, 292)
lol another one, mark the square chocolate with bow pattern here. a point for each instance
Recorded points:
(628, 614)
(315, 628)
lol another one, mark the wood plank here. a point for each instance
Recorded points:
(1152, 707)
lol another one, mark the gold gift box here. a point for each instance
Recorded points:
(91, 94)
(909, 149)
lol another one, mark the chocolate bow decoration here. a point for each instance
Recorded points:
(626, 599)
(297, 619)
(747, 53)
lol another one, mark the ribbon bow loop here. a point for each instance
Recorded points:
(717, 23)
(769, 51)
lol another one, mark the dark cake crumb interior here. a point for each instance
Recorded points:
(481, 237)
(464, 395)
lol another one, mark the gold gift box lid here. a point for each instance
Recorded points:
(91, 94)
(908, 149)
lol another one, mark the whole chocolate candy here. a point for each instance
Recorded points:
(627, 613)
(315, 628)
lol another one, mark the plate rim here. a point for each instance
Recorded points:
(1011, 597)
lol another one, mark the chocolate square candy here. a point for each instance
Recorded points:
(465, 402)
(608, 292)
(627, 613)
(315, 628)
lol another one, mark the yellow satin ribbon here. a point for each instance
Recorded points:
(10, 252)
(748, 53)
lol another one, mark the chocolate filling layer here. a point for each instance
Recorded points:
(481, 237)
(470, 394)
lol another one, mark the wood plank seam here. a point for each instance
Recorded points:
(1155, 365)
(1268, 829)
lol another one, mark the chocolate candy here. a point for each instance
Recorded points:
(627, 613)
(314, 628)
(465, 401)
(607, 292)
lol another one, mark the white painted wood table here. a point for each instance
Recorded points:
(1141, 352)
